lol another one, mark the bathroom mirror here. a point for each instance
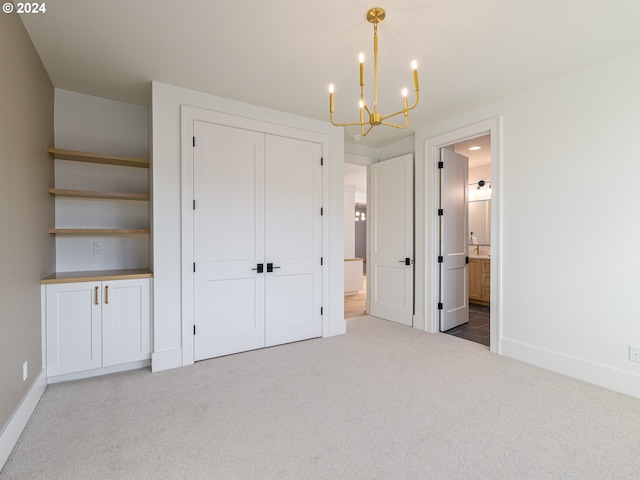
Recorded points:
(480, 221)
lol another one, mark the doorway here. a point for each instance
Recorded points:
(432, 148)
(355, 240)
(476, 325)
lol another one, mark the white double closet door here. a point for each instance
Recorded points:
(257, 240)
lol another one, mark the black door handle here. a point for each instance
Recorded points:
(406, 261)
(270, 267)
(259, 268)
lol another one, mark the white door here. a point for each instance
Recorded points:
(257, 240)
(454, 273)
(293, 226)
(390, 287)
(228, 240)
(125, 321)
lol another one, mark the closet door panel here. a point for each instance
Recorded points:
(228, 240)
(293, 226)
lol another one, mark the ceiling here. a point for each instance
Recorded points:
(282, 54)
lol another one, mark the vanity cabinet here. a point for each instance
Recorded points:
(480, 281)
(96, 324)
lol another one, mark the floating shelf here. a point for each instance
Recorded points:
(100, 231)
(61, 192)
(87, 157)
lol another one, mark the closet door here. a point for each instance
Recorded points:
(228, 240)
(293, 226)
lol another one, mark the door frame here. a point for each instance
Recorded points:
(432, 146)
(188, 116)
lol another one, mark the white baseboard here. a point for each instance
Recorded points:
(14, 427)
(96, 372)
(166, 360)
(337, 327)
(602, 375)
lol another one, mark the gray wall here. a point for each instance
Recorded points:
(27, 251)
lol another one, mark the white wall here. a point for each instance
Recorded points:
(166, 178)
(92, 124)
(568, 222)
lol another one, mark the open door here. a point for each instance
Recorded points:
(454, 226)
(390, 287)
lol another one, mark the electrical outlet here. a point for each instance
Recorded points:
(25, 371)
(634, 353)
(97, 248)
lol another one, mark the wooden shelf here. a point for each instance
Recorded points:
(61, 192)
(99, 231)
(87, 157)
(97, 276)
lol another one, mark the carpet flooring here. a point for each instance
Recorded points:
(383, 401)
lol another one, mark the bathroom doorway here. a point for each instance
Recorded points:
(477, 296)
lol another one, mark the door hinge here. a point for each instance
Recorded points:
(194, 141)
(467, 260)
(321, 161)
(440, 212)
(194, 329)
(440, 259)
(194, 204)
(321, 211)
(321, 260)
(440, 164)
(321, 310)
(194, 267)
(440, 306)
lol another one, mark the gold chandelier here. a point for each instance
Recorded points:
(375, 16)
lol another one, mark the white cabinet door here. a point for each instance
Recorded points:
(73, 327)
(125, 321)
(96, 324)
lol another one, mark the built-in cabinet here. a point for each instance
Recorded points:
(94, 324)
(480, 281)
(96, 321)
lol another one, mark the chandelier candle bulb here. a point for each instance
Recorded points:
(331, 98)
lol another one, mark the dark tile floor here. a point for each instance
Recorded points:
(477, 329)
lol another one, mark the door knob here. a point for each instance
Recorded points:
(270, 267)
(259, 268)
(406, 261)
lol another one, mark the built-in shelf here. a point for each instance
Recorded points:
(99, 231)
(87, 157)
(61, 192)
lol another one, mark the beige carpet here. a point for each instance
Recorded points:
(382, 402)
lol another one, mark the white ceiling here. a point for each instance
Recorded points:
(282, 54)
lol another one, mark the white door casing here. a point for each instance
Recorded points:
(257, 240)
(454, 232)
(390, 283)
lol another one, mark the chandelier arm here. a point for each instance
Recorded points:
(394, 125)
(404, 110)
(349, 124)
